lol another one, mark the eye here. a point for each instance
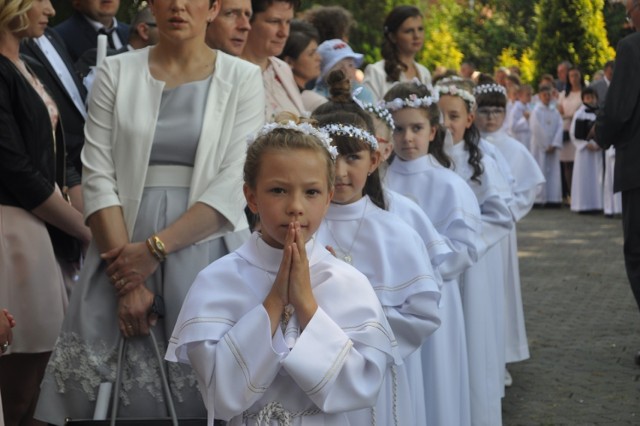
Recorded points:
(397, 130)
(313, 192)
(416, 128)
(353, 157)
(277, 190)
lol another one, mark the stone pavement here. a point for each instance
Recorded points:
(582, 322)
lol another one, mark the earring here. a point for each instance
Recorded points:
(369, 174)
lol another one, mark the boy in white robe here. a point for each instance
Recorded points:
(587, 180)
(546, 142)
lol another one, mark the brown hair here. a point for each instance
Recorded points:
(394, 20)
(282, 139)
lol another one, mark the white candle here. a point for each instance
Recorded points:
(102, 49)
(102, 402)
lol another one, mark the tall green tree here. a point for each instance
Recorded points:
(572, 30)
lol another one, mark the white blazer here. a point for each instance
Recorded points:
(375, 78)
(123, 109)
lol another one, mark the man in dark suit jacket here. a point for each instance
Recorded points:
(620, 126)
(602, 86)
(48, 58)
(92, 17)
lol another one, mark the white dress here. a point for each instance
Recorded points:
(612, 201)
(519, 125)
(452, 208)
(394, 259)
(336, 364)
(546, 131)
(439, 252)
(375, 78)
(588, 168)
(483, 290)
(527, 182)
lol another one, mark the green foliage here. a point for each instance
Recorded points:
(572, 30)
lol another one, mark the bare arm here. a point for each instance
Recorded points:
(56, 211)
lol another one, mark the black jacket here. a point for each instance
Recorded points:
(72, 119)
(29, 152)
(619, 124)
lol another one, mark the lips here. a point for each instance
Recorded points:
(177, 20)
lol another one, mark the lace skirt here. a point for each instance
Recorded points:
(31, 284)
(85, 354)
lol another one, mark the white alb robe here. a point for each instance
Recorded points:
(546, 131)
(483, 289)
(588, 169)
(395, 260)
(336, 364)
(528, 179)
(452, 208)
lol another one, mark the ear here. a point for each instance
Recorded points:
(142, 30)
(250, 196)
(432, 132)
(375, 161)
(470, 117)
(214, 10)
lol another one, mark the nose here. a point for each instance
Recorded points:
(177, 5)
(244, 23)
(341, 166)
(295, 207)
(283, 30)
(49, 10)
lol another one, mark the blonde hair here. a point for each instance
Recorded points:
(282, 139)
(13, 14)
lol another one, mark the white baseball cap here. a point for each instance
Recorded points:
(332, 52)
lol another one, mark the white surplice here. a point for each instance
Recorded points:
(483, 289)
(588, 169)
(395, 260)
(528, 179)
(452, 208)
(336, 364)
(546, 131)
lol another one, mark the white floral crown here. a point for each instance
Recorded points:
(413, 101)
(378, 109)
(304, 128)
(452, 90)
(489, 88)
(450, 79)
(352, 132)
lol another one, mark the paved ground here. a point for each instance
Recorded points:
(582, 322)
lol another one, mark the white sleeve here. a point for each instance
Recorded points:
(234, 372)
(337, 373)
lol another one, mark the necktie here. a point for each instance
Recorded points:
(109, 34)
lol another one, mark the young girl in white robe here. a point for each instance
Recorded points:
(420, 172)
(482, 283)
(392, 255)
(546, 142)
(588, 168)
(527, 180)
(280, 330)
(441, 252)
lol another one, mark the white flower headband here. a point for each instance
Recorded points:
(382, 113)
(413, 101)
(305, 128)
(451, 90)
(378, 109)
(351, 131)
(489, 88)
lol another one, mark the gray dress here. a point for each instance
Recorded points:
(85, 353)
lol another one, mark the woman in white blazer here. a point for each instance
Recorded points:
(165, 144)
